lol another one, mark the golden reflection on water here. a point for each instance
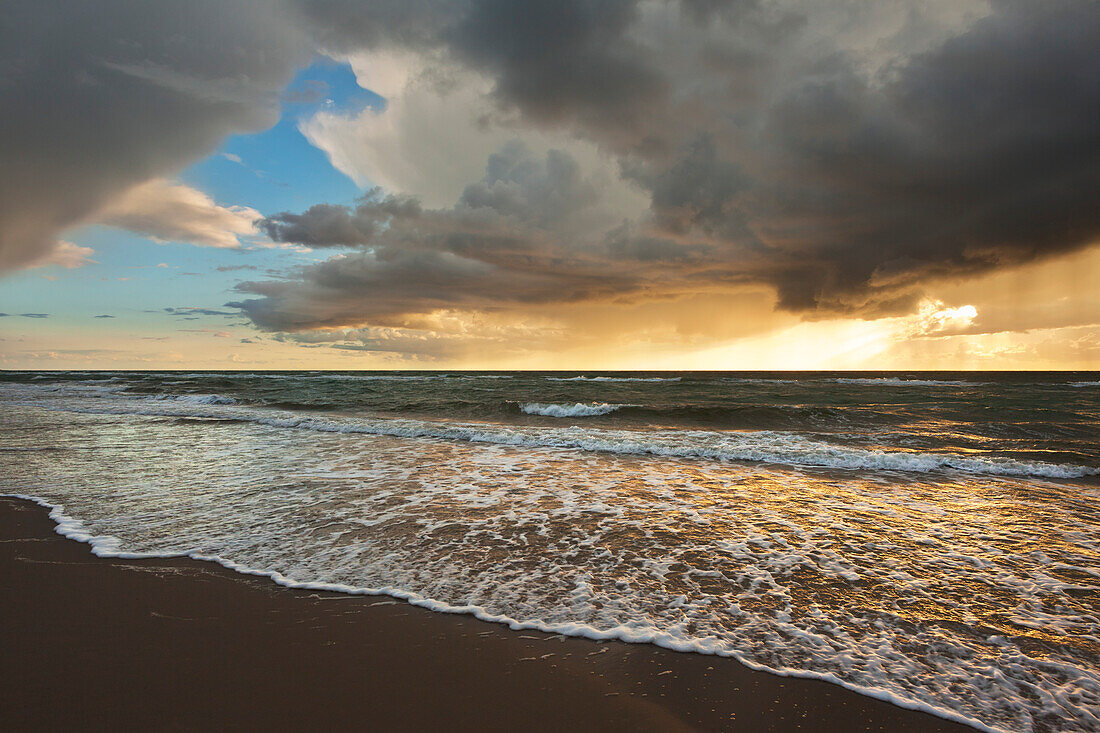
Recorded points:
(832, 570)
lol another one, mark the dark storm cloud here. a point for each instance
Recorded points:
(101, 96)
(383, 288)
(697, 192)
(542, 192)
(104, 315)
(850, 191)
(562, 60)
(556, 60)
(349, 25)
(518, 191)
(983, 153)
(767, 156)
(846, 190)
(328, 225)
(501, 245)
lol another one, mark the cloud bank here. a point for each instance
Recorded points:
(844, 155)
(846, 176)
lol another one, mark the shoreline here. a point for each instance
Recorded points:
(179, 644)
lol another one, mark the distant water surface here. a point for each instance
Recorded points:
(931, 539)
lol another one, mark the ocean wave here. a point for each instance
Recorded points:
(895, 382)
(613, 379)
(1084, 384)
(119, 392)
(199, 399)
(760, 380)
(81, 389)
(578, 409)
(762, 446)
(870, 381)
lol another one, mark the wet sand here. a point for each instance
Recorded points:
(97, 644)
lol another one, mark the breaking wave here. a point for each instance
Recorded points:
(199, 399)
(613, 379)
(895, 382)
(764, 446)
(578, 409)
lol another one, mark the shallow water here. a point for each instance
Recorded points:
(929, 539)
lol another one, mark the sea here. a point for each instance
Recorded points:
(930, 539)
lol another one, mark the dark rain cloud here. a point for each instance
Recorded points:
(518, 191)
(846, 190)
(561, 61)
(101, 96)
(767, 158)
(980, 154)
(329, 225)
(501, 245)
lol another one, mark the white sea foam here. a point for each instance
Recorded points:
(869, 381)
(199, 399)
(120, 392)
(577, 409)
(613, 379)
(761, 380)
(103, 388)
(896, 382)
(1084, 384)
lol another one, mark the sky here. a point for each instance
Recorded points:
(566, 184)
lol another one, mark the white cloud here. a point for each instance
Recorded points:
(173, 212)
(425, 142)
(386, 72)
(67, 255)
(437, 131)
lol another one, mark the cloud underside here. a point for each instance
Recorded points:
(844, 181)
(101, 97)
(63, 254)
(171, 212)
(845, 156)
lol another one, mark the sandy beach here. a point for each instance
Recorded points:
(101, 644)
